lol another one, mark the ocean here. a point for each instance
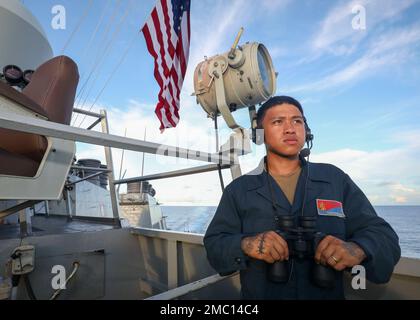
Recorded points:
(404, 219)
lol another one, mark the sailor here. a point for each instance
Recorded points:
(244, 233)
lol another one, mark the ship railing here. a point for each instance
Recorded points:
(179, 247)
(180, 263)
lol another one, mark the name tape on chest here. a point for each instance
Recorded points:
(330, 208)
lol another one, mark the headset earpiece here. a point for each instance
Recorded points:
(257, 132)
(309, 135)
(258, 136)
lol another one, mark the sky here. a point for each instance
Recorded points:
(359, 84)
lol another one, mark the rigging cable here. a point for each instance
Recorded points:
(95, 32)
(110, 77)
(101, 60)
(99, 56)
(76, 29)
(104, 40)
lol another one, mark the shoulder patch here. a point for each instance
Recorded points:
(330, 208)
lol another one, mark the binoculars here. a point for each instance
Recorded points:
(14, 76)
(302, 242)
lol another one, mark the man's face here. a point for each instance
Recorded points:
(284, 130)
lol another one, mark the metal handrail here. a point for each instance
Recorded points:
(190, 287)
(173, 174)
(87, 113)
(84, 179)
(7, 212)
(90, 169)
(169, 235)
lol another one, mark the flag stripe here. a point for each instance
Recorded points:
(167, 35)
(150, 46)
(159, 43)
(161, 73)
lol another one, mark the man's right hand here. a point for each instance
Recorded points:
(267, 246)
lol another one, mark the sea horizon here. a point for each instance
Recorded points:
(404, 219)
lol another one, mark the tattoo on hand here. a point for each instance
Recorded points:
(354, 250)
(350, 248)
(261, 245)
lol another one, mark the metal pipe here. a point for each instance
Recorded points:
(173, 174)
(88, 113)
(69, 208)
(47, 208)
(190, 287)
(122, 157)
(142, 162)
(180, 236)
(83, 179)
(110, 165)
(93, 125)
(90, 169)
(219, 168)
(19, 207)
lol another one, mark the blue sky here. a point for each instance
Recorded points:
(359, 88)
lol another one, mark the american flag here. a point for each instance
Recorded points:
(167, 34)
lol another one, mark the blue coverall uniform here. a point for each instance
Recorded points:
(246, 209)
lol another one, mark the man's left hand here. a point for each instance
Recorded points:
(338, 253)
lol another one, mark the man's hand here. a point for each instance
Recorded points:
(267, 246)
(338, 253)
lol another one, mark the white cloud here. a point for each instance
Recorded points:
(278, 52)
(399, 199)
(336, 34)
(381, 55)
(400, 187)
(386, 176)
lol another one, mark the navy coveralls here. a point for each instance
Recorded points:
(246, 209)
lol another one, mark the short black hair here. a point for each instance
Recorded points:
(275, 101)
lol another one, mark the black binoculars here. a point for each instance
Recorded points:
(302, 241)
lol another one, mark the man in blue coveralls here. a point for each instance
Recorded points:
(244, 233)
